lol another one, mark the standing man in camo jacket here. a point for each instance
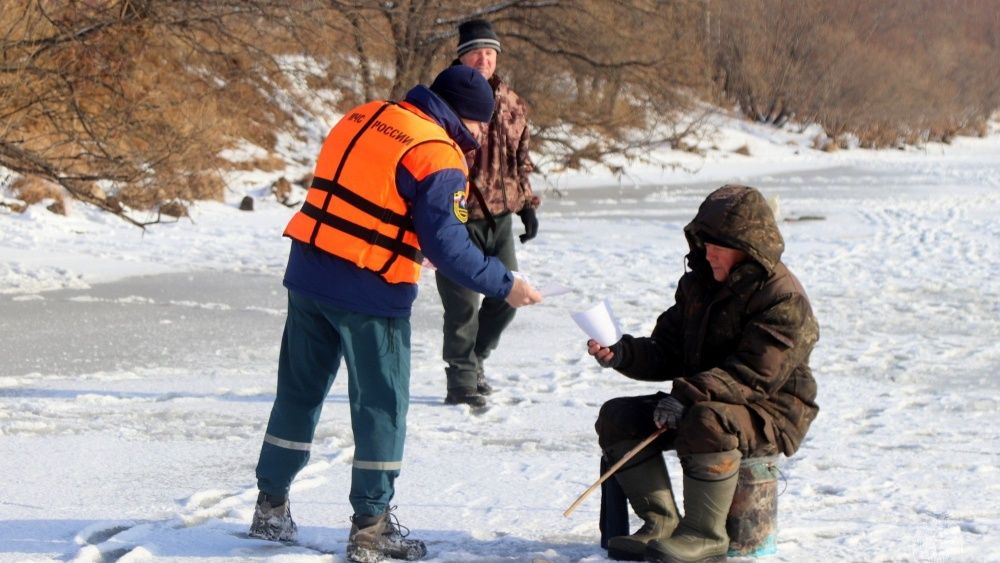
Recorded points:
(499, 189)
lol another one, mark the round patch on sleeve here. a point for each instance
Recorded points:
(458, 207)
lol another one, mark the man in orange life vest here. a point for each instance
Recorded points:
(389, 187)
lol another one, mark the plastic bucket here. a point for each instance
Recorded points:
(752, 523)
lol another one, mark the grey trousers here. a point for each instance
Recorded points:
(472, 329)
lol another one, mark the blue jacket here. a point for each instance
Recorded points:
(443, 239)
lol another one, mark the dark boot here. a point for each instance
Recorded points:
(483, 387)
(462, 396)
(647, 487)
(272, 519)
(709, 485)
(375, 538)
(614, 508)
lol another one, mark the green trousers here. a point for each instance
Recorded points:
(376, 351)
(472, 329)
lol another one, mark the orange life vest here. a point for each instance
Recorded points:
(353, 209)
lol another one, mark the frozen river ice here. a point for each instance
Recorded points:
(131, 412)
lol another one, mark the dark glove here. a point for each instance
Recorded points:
(669, 412)
(616, 358)
(530, 223)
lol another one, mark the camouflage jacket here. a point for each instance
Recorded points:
(501, 166)
(745, 341)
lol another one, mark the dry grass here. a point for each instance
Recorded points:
(979, 128)
(824, 143)
(32, 190)
(174, 209)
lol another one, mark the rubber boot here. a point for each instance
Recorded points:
(709, 485)
(647, 487)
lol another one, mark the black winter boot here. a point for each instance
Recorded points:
(614, 508)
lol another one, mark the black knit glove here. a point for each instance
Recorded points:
(530, 222)
(669, 412)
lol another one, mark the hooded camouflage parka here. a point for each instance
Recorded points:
(745, 341)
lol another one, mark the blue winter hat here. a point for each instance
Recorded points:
(466, 91)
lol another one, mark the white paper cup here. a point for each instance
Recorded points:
(599, 323)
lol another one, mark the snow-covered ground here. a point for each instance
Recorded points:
(132, 408)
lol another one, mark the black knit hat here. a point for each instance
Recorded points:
(466, 91)
(476, 34)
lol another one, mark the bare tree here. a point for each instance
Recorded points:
(127, 94)
(598, 67)
(127, 104)
(414, 32)
(610, 78)
(892, 72)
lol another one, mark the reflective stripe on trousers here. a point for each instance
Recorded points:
(376, 352)
(288, 444)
